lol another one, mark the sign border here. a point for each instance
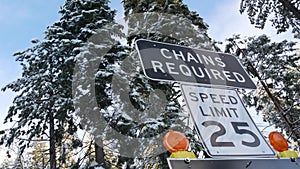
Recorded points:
(192, 83)
(202, 139)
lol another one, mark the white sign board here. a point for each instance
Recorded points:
(224, 123)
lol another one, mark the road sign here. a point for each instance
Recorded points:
(169, 62)
(224, 123)
(254, 163)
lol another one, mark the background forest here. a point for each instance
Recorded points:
(53, 123)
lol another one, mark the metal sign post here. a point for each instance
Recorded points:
(224, 123)
(169, 62)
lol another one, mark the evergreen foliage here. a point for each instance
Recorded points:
(283, 14)
(68, 67)
(148, 96)
(136, 110)
(278, 67)
(44, 105)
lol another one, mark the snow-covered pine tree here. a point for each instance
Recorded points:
(98, 60)
(132, 103)
(44, 105)
(283, 14)
(278, 67)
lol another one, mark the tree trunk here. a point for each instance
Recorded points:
(99, 153)
(52, 142)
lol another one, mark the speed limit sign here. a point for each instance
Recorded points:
(224, 123)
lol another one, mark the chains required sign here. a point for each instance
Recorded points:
(223, 122)
(169, 62)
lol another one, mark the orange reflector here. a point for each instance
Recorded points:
(278, 142)
(175, 141)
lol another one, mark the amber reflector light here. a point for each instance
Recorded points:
(175, 141)
(278, 142)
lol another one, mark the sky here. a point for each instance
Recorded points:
(22, 21)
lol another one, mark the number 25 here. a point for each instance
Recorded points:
(222, 131)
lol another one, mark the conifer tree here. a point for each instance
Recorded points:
(276, 65)
(130, 102)
(44, 105)
(283, 14)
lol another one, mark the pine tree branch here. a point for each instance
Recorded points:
(37, 140)
(86, 154)
(291, 8)
(275, 101)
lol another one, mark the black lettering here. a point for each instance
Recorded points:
(212, 111)
(228, 112)
(203, 96)
(220, 112)
(193, 96)
(222, 97)
(233, 100)
(203, 112)
(214, 98)
(234, 110)
(214, 137)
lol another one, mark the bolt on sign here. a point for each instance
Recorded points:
(169, 62)
(223, 122)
